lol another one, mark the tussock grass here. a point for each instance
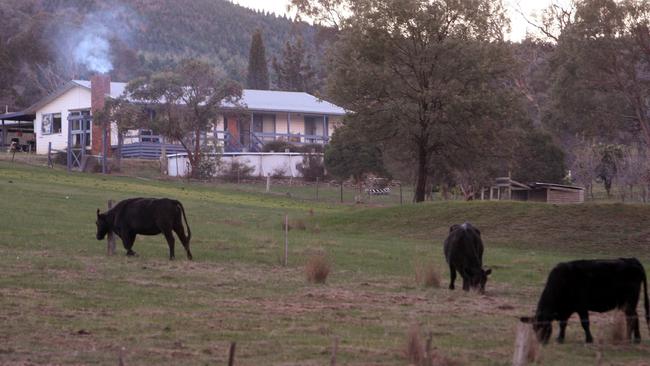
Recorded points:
(318, 267)
(618, 328)
(427, 275)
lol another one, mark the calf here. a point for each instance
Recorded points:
(145, 216)
(464, 253)
(590, 285)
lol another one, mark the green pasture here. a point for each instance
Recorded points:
(64, 301)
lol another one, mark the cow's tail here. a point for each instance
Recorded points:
(189, 232)
(645, 299)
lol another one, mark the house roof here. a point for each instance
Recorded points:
(261, 100)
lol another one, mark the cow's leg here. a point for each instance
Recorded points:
(186, 242)
(584, 320)
(560, 337)
(127, 240)
(452, 273)
(465, 277)
(170, 242)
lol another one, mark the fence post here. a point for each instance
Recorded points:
(341, 191)
(317, 179)
(400, 194)
(268, 183)
(520, 357)
(50, 163)
(110, 241)
(231, 353)
(335, 347)
(286, 240)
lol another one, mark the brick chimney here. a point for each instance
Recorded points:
(100, 88)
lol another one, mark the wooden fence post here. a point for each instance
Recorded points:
(341, 191)
(520, 357)
(286, 240)
(231, 353)
(50, 163)
(335, 347)
(317, 188)
(400, 194)
(268, 183)
(110, 241)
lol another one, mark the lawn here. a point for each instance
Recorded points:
(64, 301)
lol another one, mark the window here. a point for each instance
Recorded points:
(51, 123)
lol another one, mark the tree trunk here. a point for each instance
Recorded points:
(423, 174)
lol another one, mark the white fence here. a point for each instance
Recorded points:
(263, 164)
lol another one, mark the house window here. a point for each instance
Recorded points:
(51, 123)
(264, 123)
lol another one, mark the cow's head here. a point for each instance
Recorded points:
(542, 327)
(479, 279)
(103, 226)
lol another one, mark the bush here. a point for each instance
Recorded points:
(311, 167)
(280, 146)
(279, 173)
(235, 171)
(311, 148)
(207, 167)
(318, 268)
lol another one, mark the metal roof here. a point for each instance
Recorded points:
(262, 100)
(18, 116)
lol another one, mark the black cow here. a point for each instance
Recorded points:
(590, 285)
(464, 253)
(145, 216)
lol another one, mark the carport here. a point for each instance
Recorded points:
(17, 125)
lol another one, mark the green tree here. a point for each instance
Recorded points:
(294, 71)
(350, 155)
(539, 160)
(258, 71)
(185, 102)
(429, 79)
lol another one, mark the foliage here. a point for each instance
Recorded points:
(600, 84)
(258, 70)
(208, 166)
(428, 79)
(607, 168)
(350, 155)
(185, 101)
(294, 70)
(312, 167)
(279, 146)
(539, 160)
(236, 171)
(144, 36)
(584, 164)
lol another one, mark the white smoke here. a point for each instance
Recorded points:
(89, 43)
(93, 49)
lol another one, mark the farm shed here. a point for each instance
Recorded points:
(508, 189)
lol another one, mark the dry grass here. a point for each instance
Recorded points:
(317, 268)
(534, 348)
(618, 328)
(427, 275)
(414, 350)
(297, 224)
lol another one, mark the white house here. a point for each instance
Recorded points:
(296, 117)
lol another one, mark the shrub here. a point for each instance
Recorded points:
(236, 171)
(279, 146)
(317, 268)
(311, 148)
(279, 173)
(311, 167)
(427, 275)
(207, 167)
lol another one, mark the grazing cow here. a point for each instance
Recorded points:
(464, 253)
(145, 216)
(590, 285)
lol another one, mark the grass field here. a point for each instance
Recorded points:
(63, 301)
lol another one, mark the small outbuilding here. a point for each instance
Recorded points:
(508, 189)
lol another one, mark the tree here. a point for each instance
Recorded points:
(539, 160)
(428, 78)
(584, 164)
(350, 155)
(294, 71)
(184, 103)
(601, 88)
(258, 71)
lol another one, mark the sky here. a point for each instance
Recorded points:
(518, 23)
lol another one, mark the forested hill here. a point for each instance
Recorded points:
(40, 39)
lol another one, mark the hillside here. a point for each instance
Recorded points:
(41, 41)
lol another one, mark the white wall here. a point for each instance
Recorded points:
(263, 163)
(75, 98)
